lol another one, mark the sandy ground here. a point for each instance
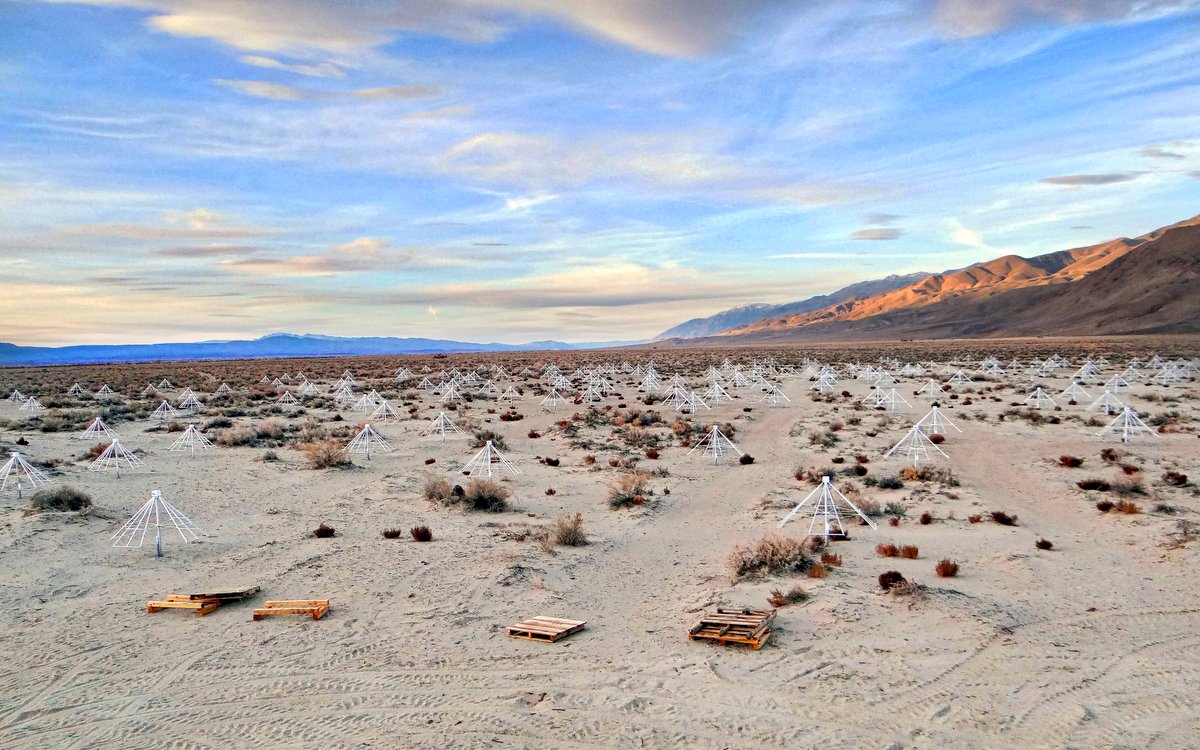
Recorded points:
(1092, 644)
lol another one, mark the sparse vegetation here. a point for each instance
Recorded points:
(421, 534)
(324, 531)
(794, 595)
(946, 569)
(567, 531)
(909, 552)
(326, 455)
(771, 554)
(890, 579)
(60, 499)
(629, 489)
(1044, 544)
(1003, 518)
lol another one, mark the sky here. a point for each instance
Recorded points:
(579, 170)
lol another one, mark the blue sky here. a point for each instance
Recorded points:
(511, 170)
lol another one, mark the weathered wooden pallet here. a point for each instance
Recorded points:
(202, 606)
(226, 593)
(751, 627)
(548, 629)
(315, 607)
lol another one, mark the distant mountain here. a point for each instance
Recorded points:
(1149, 284)
(746, 314)
(273, 345)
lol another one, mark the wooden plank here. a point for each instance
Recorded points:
(226, 592)
(546, 629)
(296, 603)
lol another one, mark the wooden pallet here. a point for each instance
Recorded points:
(315, 607)
(226, 593)
(201, 605)
(751, 627)
(548, 629)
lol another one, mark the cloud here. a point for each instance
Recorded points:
(878, 233)
(979, 17)
(363, 255)
(151, 233)
(319, 70)
(267, 90)
(283, 92)
(882, 218)
(206, 251)
(1159, 151)
(1194, 174)
(673, 28)
(1085, 180)
(681, 162)
(397, 92)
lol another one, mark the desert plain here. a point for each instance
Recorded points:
(1090, 643)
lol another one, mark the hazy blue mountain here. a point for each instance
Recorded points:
(743, 315)
(273, 345)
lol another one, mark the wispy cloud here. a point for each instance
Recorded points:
(1087, 180)
(284, 92)
(318, 70)
(878, 233)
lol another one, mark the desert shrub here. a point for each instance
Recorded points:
(326, 455)
(946, 568)
(817, 570)
(909, 552)
(830, 559)
(1093, 483)
(887, 550)
(392, 533)
(1130, 469)
(889, 483)
(242, 434)
(614, 463)
(324, 531)
(772, 553)
(1127, 507)
(629, 489)
(937, 439)
(974, 518)
(270, 457)
(1175, 479)
(838, 460)
(550, 492)
(925, 519)
(894, 521)
(95, 451)
(552, 461)
(1003, 518)
(891, 579)
(1070, 462)
(438, 490)
(60, 499)
(430, 461)
(896, 509)
(421, 534)
(1109, 455)
(795, 595)
(483, 436)
(746, 459)
(567, 531)
(486, 495)
(1044, 544)
(1104, 506)
(217, 423)
(1126, 485)
(652, 454)
(533, 434)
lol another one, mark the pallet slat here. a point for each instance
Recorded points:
(318, 608)
(744, 626)
(547, 629)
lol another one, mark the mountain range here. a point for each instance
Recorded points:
(272, 345)
(1147, 284)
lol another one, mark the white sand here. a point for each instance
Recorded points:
(1092, 644)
